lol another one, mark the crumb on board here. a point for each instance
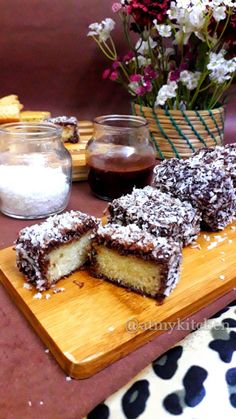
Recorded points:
(68, 378)
(222, 277)
(46, 351)
(47, 296)
(41, 402)
(80, 284)
(30, 403)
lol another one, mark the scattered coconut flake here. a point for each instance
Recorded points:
(27, 286)
(196, 246)
(206, 237)
(68, 378)
(233, 228)
(57, 290)
(212, 245)
(30, 403)
(41, 402)
(47, 351)
(37, 296)
(222, 253)
(222, 277)
(111, 328)
(221, 239)
(230, 241)
(222, 259)
(47, 296)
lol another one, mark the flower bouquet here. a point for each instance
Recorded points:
(179, 63)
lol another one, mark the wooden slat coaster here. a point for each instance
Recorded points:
(77, 151)
(94, 323)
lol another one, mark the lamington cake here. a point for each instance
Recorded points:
(69, 125)
(222, 157)
(135, 259)
(53, 249)
(158, 213)
(206, 187)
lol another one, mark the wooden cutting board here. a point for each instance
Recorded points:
(77, 151)
(87, 326)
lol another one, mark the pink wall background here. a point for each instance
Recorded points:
(47, 59)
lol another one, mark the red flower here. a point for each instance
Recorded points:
(145, 11)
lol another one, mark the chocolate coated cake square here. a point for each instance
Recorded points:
(53, 249)
(206, 187)
(135, 259)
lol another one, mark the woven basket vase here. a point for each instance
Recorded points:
(177, 133)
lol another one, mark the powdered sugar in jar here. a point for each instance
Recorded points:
(35, 170)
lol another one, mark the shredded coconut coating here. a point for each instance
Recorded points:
(157, 212)
(131, 240)
(63, 120)
(205, 186)
(220, 157)
(34, 243)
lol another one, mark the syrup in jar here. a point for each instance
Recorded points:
(119, 156)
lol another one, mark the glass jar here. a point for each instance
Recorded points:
(119, 156)
(35, 170)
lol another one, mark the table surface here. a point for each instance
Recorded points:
(31, 382)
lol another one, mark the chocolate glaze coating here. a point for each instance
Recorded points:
(158, 213)
(34, 243)
(207, 187)
(131, 240)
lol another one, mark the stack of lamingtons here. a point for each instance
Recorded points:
(140, 247)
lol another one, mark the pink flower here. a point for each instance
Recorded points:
(116, 65)
(116, 7)
(147, 85)
(106, 73)
(140, 90)
(149, 73)
(128, 56)
(135, 77)
(114, 75)
(174, 75)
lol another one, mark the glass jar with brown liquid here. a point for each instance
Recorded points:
(119, 156)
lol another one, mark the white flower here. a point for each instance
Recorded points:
(219, 13)
(196, 19)
(143, 61)
(133, 86)
(167, 91)
(219, 75)
(142, 47)
(221, 70)
(190, 79)
(216, 60)
(102, 30)
(164, 30)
